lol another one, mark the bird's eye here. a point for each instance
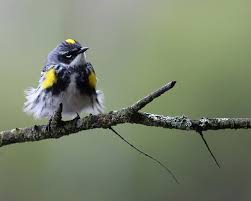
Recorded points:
(68, 56)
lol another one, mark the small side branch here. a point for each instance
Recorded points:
(127, 115)
(149, 98)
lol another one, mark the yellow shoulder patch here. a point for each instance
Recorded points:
(70, 41)
(92, 79)
(50, 79)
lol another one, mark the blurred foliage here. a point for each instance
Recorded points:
(136, 46)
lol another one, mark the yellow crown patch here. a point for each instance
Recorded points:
(70, 41)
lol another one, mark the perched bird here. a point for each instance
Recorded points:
(66, 78)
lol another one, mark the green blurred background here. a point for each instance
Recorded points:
(135, 46)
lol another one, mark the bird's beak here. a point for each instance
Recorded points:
(83, 49)
(80, 59)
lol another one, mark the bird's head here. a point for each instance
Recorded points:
(68, 52)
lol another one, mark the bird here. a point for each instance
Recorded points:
(68, 79)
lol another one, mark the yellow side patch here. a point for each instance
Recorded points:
(70, 41)
(50, 79)
(92, 79)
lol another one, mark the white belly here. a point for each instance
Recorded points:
(73, 101)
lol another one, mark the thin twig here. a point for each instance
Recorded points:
(149, 98)
(147, 155)
(208, 148)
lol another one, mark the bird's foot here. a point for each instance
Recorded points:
(77, 117)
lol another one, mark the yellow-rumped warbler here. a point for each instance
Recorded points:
(66, 78)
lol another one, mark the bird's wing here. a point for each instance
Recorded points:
(54, 78)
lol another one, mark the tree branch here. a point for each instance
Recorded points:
(58, 128)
